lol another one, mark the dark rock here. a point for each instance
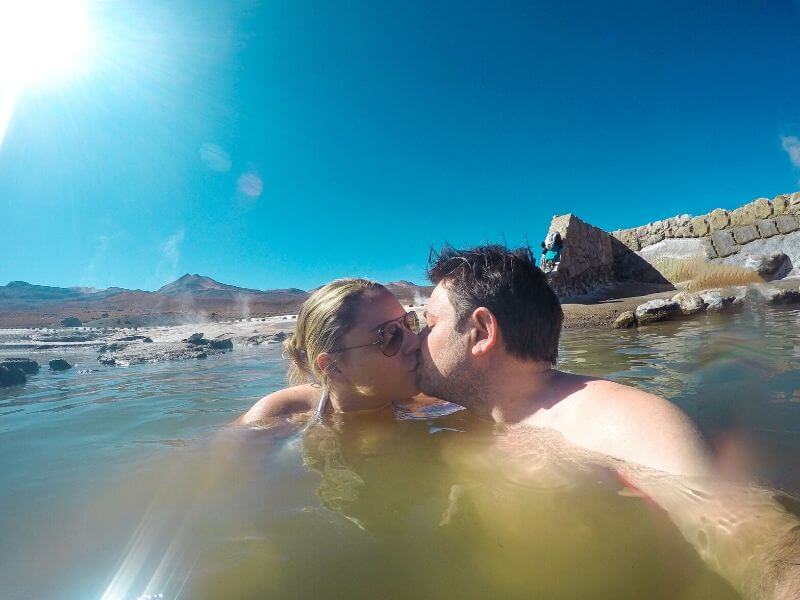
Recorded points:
(716, 301)
(72, 322)
(280, 336)
(201, 356)
(766, 265)
(783, 297)
(225, 344)
(26, 365)
(134, 354)
(197, 339)
(11, 376)
(133, 338)
(112, 347)
(625, 320)
(59, 364)
(147, 340)
(656, 310)
(67, 339)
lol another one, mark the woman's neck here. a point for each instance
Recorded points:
(348, 401)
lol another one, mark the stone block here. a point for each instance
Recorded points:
(699, 226)
(718, 219)
(762, 208)
(793, 203)
(684, 231)
(767, 228)
(724, 244)
(745, 234)
(627, 237)
(780, 204)
(630, 239)
(657, 226)
(653, 238)
(708, 248)
(786, 223)
(750, 213)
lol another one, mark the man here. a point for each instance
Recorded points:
(491, 345)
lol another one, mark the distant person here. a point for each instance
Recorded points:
(355, 348)
(491, 345)
(551, 252)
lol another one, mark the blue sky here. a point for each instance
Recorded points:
(271, 144)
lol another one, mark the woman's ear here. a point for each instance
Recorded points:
(327, 364)
(484, 331)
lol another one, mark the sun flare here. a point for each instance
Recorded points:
(41, 42)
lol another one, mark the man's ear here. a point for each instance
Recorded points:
(484, 331)
(327, 364)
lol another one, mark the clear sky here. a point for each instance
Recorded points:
(282, 144)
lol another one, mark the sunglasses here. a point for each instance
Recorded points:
(390, 335)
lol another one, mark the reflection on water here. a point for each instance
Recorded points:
(121, 482)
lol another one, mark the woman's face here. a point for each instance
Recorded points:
(367, 370)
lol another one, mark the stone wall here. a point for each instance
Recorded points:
(751, 234)
(587, 257)
(720, 233)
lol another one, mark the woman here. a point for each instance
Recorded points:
(355, 348)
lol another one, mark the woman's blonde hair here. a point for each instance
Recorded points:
(326, 315)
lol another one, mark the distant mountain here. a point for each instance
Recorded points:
(410, 293)
(200, 285)
(24, 293)
(190, 297)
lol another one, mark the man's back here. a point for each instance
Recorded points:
(622, 422)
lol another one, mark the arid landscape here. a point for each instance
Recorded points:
(189, 299)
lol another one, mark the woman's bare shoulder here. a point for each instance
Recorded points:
(297, 399)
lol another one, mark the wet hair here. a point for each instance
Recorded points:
(326, 315)
(509, 284)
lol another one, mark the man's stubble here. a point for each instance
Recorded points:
(450, 376)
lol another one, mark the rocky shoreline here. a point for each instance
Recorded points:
(126, 347)
(633, 305)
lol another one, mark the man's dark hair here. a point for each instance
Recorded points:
(509, 284)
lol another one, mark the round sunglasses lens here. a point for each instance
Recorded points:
(392, 339)
(412, 321)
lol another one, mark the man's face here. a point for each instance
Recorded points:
(444, 370)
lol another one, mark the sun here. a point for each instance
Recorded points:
(41, 42)
(41, 39)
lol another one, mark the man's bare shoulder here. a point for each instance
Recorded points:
(634, 425)
(297, 399)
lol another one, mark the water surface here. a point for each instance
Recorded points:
(121, 481)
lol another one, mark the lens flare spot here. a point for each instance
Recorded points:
(215, 158)
(250, 185)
